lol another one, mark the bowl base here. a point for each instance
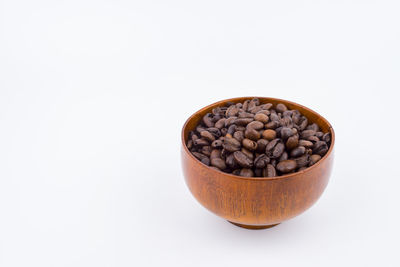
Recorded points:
(254, 227)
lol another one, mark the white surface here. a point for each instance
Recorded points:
(93, 95)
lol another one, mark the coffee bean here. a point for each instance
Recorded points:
(269, 134)
(286, 166)
(298, 151)
(302, 168)
(232, 111)
(246, 115)
(313, 127)
(305, 143)
(231, 144)
(313, 139)
(207, 119)
(243, 121)
(292, 142)
(200, 142)
(199, 155)
(207, 135)
(281, 108)
(284, 156)
(245, 105)
(258, 172)
(230, 162)
(261, 118)
(274, 117)
(320, 148)
(272, 125)
(238, 135)
(205, 161)
(248, 153)
(264, 111)
(307, 133)
(261, 144)
(303, 123)
(246, 172)
(229, 121)
(314, 159)
(206, 150)
(249, 144)
(302, 161)
(220, 123)
(190, 144)
(214, 131)
(216, 144)
(219, 163)
(261, 161)
(326, 137)
(256, 125)
(215, 153)
(278, 150)
(252, 134)
(319, 134)
(286, 133)
(242, 159)
(253, 103)
(286, 122)
(269, 171)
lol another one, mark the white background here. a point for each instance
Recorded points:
(93, 95)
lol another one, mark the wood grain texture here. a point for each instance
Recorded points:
(256, 202)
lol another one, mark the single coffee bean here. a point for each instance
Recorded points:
(249, 144)
(271, 145)
(320, 148)
(230, 162)
(239, 135)
(206, 161)
(224, 131)
(245, 115)
(242, 159)
(207, 135)
(307, 133)
(231, 144)
(207, 119)
(256, 125)
(273, 162)
(214, 131)
(319, 134)
(261, 144)
(274, 117)
(215, 153)
(219, 163)
(216, 144)
(266, 106)
(314, 159)
(253, 103)
(258, 172)
(326, 137)
(248, 153)
(231, 129)
(190, 144)
(298, 151)
(286, 133)
(243, 121)
(284, 156)
(305, 143)
(303, 123)
(261, 118)
(313, 139)
(232, 111)
(286, 122)
(246, 172)
(281, 108)
(302, 161)
(269, 171)
(252, 134)
(292, 142)
(269, 134)
(236, 172)
(272, 125)
(286, 166)
(206, 150)
(245, 105)
(278, 150)
(265, 112)
(313, 127)
(261, 161)
(200, 142)
(199, 155)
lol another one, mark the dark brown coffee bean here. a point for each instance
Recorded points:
(207, 120)
(246, 172)
(219, 163)
(232, 111)
(206, 150)
(261, 161)
(303, 123)
(239, 135)
(269, 171)
(284, 156)
(236, 172)
(326, 137)
(207, 135)
(256, 125)
(313, 139)
(286, 122)
(231, 144)
(270, 146)
(269, 134)
(216, 144)
(292, 142)
(278, 150)
(230, 162)
(261, 144)
(224, 131)
(302, 161)
(215, 153)
(242, 159)
(248, 153)
(214, 131)
(249, 144)
(261, 118)
(252, 134)
(273, 162)
(320, 148)
(199, 155)
(314, 159)
(286, 166)
(319, 134)
(272, 125)
(286, 133)
(281, 108)
(243, 121)
(200, 142)
(220, 123)
(298, 151)
(305, 143)
(258, 172)
(307, 133)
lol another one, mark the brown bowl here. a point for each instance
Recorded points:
(256, 202)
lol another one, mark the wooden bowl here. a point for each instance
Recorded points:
(256, 202)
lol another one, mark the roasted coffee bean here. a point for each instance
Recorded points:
(219, 163)
(246, 172)
(302, 161)
(314, 159)
(278, 150)
(207, 135)
(292, 142)
(281, 108)
(261, 118)
(305, 143)
(261, 144)
(269, 171)
(286, 166)
(286, 133)
(220, 123)
(298, 151)
(231, 144)
(320, 148)
(269, 134)
(239, 135)
(215, 153)
(249, 144)
(252, 134)
(261, 161)
(242, 159)
(229, 139)
(256, 125)
(216, 144)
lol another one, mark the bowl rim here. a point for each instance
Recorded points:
(290, 175)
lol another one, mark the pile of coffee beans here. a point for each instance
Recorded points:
(257, 140)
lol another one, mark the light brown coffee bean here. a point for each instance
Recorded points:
(252, 134)
(249, 144)
(292, 142)
(215, 153)
(219, 163)
(256, 125)
(220, 123)
(305, 143)
(314, 159)
(261, 118)
(246, 172)
(281, 108)
(269, 134)
(207, 135)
